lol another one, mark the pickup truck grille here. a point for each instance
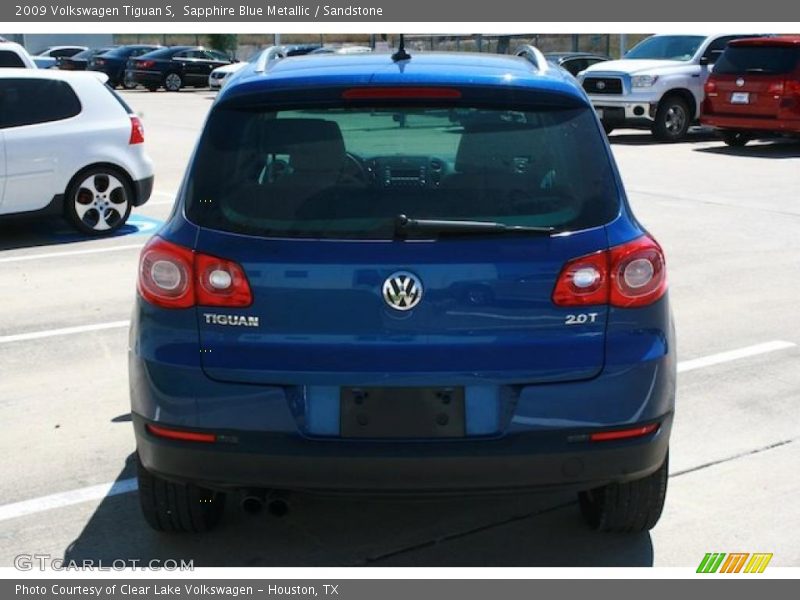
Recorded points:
(602, 85)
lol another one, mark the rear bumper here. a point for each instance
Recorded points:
(145, 78)
(521, 461)
(143, 189)
(625, 113)
(756, 125)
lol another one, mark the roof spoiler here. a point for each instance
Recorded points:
(268, 55)
(534, 56)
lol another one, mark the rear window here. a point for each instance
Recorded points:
(31, 101)
(10, 60)
(770, 60)
(348, 173)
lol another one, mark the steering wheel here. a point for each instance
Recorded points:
(354, 172)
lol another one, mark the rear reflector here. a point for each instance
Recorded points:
(390, 93)
(623, 434)
(178, 434)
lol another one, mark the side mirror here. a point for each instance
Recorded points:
(704, 62)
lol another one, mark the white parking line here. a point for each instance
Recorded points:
(124, 486)
(95, 492)
(723, 357)
(11, 259)
(37, 335)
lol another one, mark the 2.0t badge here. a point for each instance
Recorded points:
(402, 290)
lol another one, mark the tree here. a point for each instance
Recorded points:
(224, 42)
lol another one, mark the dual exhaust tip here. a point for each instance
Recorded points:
(254, 501)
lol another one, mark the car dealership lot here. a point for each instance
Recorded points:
(728, 221)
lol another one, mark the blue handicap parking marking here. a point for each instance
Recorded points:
(136, 225)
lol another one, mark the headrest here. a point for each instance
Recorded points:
(495, 149)
(312, 144)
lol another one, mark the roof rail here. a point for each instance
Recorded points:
(533, 55)
(268, 55)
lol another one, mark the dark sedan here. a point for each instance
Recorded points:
(113, 63)
(175, 67)
(575, 62)
(80, 61)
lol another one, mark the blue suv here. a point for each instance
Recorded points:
(402, 274)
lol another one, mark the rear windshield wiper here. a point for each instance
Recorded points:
(404, 225)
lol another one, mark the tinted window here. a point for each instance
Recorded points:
(165, 52)
(61, 52)
(667, 47)
(757, 59)
(10, 60)
(349, 172)
(214, 55)
(29, 101)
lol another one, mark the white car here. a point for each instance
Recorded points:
(14, 56)
(47, 58)
(69, 145)
(220, 76)
(658, 84)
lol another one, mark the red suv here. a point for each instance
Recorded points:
(754, 89)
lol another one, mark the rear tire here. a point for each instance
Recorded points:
(631, 507)
(735, 139)
(99, 200)
(672, 119)
(175, 507)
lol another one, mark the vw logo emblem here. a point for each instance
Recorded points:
(740, 82)
(601, 85)
(402, 290)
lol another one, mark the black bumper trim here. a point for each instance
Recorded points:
(291, 462)
(143, 189)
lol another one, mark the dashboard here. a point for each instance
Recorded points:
(406, 171)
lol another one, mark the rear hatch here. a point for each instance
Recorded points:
(751, 80)
(308, 202)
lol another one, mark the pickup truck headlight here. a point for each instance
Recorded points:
(642, 81)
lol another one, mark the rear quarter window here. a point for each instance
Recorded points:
(32, 101)
(10, 60)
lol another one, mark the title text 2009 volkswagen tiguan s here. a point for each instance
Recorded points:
(402, 275)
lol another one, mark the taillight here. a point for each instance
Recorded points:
(583, 281)
(99, 61)
(165, 274)
(145, 64)
(776, 87)
(171, 276)
(626, 276)
(220, 282)
(137, 131)
(711, 88)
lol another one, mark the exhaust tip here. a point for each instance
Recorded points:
(252, 504)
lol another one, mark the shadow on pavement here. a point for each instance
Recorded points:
(767, 149)
(519, 530)
(645, 138)
(30, 232)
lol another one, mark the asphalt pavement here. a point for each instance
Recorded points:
(728, 220)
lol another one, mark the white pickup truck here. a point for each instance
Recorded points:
(657, 85)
